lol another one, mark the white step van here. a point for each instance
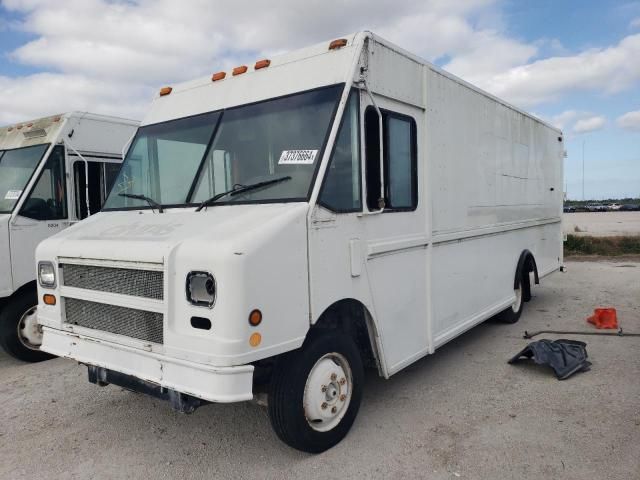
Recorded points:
(276, 228)
(44, 167)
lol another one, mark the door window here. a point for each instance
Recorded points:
(400, 161)
(48, 199)
(16, 168)
(101, 178)
(341, 191)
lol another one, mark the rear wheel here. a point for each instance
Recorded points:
(20, 334)
(512, 314)
(315, 392)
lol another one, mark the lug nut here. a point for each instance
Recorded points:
(334, 410)
(324, 388)
(333, 377)
(343, 397)
(324, 405)
(343, 381)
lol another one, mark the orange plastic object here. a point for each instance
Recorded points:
(604, 318)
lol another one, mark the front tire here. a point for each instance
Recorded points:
(20, 335)
(315, 392)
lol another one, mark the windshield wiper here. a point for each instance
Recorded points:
(241, 189)
(152, 203)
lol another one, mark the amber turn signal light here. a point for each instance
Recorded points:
(255, 318)
(255, 339)
(49, 299)
(239, 70)
(339, 43)
(165, 91)
(262, 64)
(218, 76)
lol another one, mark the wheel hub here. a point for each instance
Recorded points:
(327, 392)
(29, 332)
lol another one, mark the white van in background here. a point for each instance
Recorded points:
(44, 167)
(277, 227)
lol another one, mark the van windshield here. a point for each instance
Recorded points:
(189, 160)
(16, 168)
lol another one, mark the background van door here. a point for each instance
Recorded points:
(44, 213)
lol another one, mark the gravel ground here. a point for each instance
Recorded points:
(601, 224)
(461, 413)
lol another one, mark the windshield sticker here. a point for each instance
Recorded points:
(13, 195)
(297, 157)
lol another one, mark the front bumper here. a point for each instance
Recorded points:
(213, 384)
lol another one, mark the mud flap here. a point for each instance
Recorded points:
(565, 357)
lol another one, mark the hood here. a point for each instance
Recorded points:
(6, 283)
(144, 236)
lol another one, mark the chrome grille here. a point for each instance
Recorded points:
(125, 281)
(130, 322)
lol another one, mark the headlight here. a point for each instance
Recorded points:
(201, 289)
(47, 274)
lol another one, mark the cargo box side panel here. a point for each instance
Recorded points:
(491, 165)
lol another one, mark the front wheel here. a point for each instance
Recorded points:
(20, 334)
(315, 392)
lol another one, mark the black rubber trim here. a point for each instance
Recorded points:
(180, 402)
(524, 257)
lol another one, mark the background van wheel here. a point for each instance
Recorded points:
(315, 392)
(20, 335)
(512, 314)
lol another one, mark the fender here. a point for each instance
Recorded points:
(526, 264)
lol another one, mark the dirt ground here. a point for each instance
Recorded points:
(601, 224)
(461, 413)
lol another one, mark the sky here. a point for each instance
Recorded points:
(574, 63)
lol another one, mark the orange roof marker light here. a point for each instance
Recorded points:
(239, 70)
(9, 129)
(218, 76)
(339, 43)
(165, 91)
(19, 127)
(56, 119)
(262, 64)
(29, 125)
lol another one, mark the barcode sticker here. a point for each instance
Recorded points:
(13, 195)
(297, 157)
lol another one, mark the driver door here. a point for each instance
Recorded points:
(43, 214)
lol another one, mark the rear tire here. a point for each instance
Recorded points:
(315, 392)
(20, 336)
(512, 314)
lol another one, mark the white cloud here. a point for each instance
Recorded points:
(137, 46)
(49, 93)
(608, 70)
(630, 121)
(590, 124)
(110, 55)
(563, 119)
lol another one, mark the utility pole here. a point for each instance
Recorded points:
(583, 169)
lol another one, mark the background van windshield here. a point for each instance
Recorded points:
(189, 160)
(16, 168)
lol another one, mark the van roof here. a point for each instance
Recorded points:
(46, 129)
(306, 68)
